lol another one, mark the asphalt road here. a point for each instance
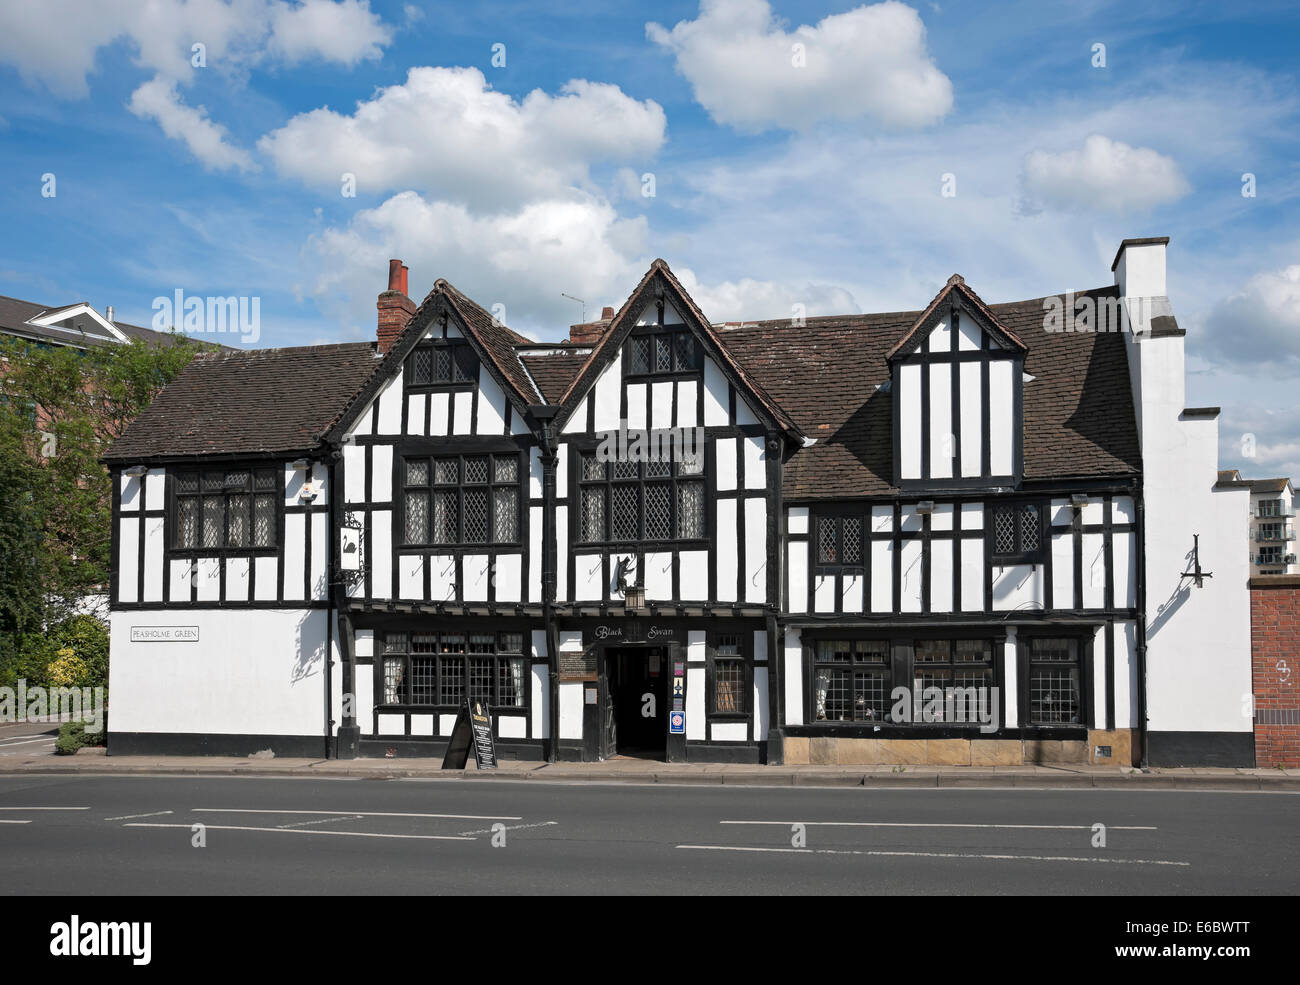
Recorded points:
(124, 835)
(27, 738)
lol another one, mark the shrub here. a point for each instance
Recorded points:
(87, 638)
(68, 670)
(73, 736)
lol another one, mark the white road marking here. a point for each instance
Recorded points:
(44, 808)
(1013, 858)
(23, 742)
(927, 824)
(126, 817)
(511, 827)
(323, 820)
(259, 810)
(5, 820)
(299, 831)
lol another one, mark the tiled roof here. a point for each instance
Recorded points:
(498, 340)
(554, 371)
(1078, 410)
(14, 314)
(249, 401)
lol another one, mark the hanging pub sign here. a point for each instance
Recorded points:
(473, 729)
(350, 548)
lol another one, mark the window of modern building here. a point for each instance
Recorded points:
(229, 509)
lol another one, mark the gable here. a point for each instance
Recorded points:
(659, 306)
(446, 320)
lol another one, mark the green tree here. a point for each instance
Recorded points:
(60, 408)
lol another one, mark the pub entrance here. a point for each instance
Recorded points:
(635, 708)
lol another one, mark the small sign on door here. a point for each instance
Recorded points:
(677, 723)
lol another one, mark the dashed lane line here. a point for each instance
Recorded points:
(263, 810)
(934, 824)
(300, 831)
(962, 855)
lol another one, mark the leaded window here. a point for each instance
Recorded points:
(627, 502)
(226, 509)
(1017, 532)
(443, 669)
(462, 499)
(839, 541)
(656, 353)
(952, 680)
(438, 364)
(852, 681)
(1054, 694)
(729, 681)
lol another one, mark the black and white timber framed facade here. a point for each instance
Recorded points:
(955, 498)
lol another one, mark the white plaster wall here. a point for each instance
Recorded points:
(1198, 639)
(253, 671)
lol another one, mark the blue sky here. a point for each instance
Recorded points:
(775, 183)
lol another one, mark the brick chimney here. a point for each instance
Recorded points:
(395, 308)
(589, 333)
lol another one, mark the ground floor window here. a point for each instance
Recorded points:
(963, 668)
(730, 684)
(903, 681)
(444, 669)
(853, 681)
(1054, 696)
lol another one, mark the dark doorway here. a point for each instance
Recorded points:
(636, 701)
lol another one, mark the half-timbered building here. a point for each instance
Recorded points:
(969, 534)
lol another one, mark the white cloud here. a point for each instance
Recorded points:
(1259, 325)
(1103, 174)
(870, 62)
(158, 100)
(55, 43)
(522, 258)
(447, 132)
(748, 299)
(346, 32)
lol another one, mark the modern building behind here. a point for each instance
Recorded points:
(1271, 534)
(331, 549)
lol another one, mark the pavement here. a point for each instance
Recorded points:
(27, 753)
(124, 835)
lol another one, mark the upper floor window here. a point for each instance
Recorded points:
(839, 541)
(462, 499)
(229, 508)
(631, 502)
(1269, 507)
(441, 364)
(654, 352)
(1017, 533)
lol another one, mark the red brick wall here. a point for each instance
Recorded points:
(1275, 659)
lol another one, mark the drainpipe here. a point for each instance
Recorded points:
(349, 734)
(545, 414)
(1141, 621)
